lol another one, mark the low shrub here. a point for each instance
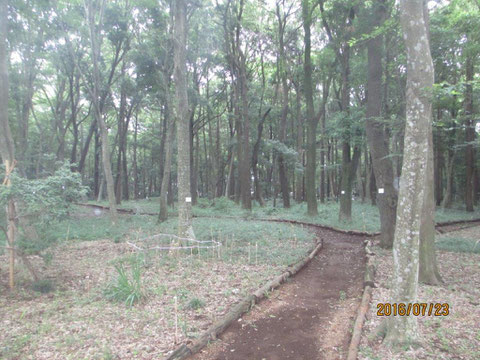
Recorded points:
(43, 286)
(127, 286)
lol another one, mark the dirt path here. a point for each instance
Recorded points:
(308, 318)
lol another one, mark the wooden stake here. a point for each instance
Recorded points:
(176, 320)
(256, 253)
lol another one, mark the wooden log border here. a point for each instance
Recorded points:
(238, 310)
(368, 284)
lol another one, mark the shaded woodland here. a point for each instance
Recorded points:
(268, 103)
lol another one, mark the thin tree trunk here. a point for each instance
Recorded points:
(413, 183)
(256, 147)
(95, 40)
(135, 167)
(282, 69)
(312, 121)
(300, 151)
(469, 133)
(7, 147)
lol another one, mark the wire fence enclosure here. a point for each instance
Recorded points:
(173, 243)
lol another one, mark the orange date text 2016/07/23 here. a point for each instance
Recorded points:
(413, 309)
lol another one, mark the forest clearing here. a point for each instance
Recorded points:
(239, 179)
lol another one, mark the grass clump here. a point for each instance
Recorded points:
(458, 244)
(195, 303)
(127, 286)
(43, 286)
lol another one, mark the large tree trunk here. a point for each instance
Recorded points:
(438, 163)
(163, 214)
(428, 271)
(414, 179)
(312, 121)
(377, 137)
(185, 228)
(469, 133)
(7, 148)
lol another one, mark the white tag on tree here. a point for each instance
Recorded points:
(343, 192)
(188, 199)
(381, 190)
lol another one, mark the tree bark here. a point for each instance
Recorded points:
(413, 183)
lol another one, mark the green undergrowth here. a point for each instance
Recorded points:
(365, 217)
(458, 244)
(267, 243)
(100, 227)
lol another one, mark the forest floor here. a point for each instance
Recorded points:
(456, 336)
(76, 320)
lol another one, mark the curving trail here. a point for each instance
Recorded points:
(309, 317)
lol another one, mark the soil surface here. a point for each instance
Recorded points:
(308, 318)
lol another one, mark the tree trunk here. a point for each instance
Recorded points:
(282, 69)
(185, 228)
(377, 137)
(135, 166)
(95, 40)
(312, 121)
(193, 169)
(256, 147)
(447, 199)
(469, 133)
(7, 147)
(429, 273)
(244, 175)
(413, 183)
(300, 151)
(438, 163)
(348, 165)
(163, 214)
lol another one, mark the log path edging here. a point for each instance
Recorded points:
(183, 351)
(365, 303)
